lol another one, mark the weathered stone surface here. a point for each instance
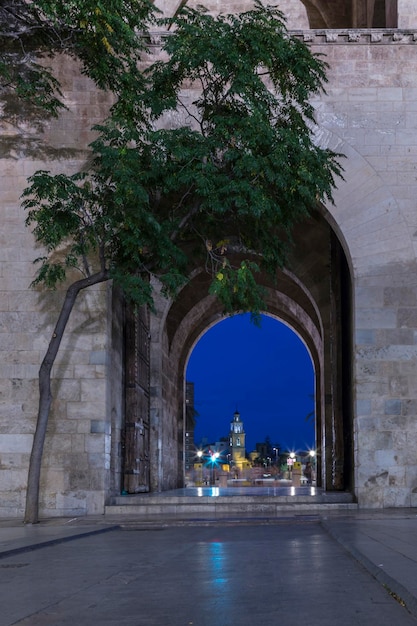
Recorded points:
(369, 115)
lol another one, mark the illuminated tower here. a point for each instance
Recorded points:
(237, 441)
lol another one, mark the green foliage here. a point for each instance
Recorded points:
(103, 35)
(238, 290)
(222, 184)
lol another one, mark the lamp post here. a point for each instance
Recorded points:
(213, 459)
(290, 462)
(312, 454)
(200, 455)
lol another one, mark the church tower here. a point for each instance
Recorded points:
(237, 441)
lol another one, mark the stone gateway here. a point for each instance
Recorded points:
(350, 292)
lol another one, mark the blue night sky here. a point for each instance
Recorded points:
(265, 373)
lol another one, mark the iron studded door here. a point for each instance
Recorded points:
(136, 432)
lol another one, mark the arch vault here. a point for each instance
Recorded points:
(313, 296)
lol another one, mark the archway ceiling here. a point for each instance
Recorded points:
(305, 283)
(329, 13)
(323, 13)
(351, 13)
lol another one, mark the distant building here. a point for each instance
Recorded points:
(237, 442)
(262, 450)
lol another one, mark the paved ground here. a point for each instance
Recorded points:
(87, 572)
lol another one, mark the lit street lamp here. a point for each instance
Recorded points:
(312, 454)
(290, 462)
(200, 455)
(213, 460)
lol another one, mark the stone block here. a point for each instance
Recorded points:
(95, 372)
(395, 498)
(78, 442)
(77, 479)
(54, 479)
(13, 479)
(365, 337)
(71, 503)
(58, 444)
(393, 407)
(394, 423)
(84, 411)
(93, 390)
(99, 426)
(385, 459)
(98, 357)
(363, 407)
(398, 386)
(16, 443)
(373, 318)
(383, 441)
(96, 502)
(95, 444)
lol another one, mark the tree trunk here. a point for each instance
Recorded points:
(45, 395)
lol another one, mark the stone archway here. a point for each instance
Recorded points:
(313, 296)
(351, 13)
(334, 14)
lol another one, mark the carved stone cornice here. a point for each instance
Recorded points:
(357, 36)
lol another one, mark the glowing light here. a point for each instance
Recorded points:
(214, 456)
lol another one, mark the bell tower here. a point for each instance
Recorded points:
(237, 441)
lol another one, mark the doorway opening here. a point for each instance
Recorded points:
(250, 406)
(312, 297)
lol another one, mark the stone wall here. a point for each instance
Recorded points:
(369, 114)
(407, 14)
(76, 470)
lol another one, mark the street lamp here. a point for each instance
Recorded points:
(213, 458)
(199, 455)
(290, 462)
(312, 454)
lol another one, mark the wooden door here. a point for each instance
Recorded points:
(136, 431)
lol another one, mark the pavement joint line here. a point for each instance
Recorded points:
(57, 540)
(392, 586)
(137, 524)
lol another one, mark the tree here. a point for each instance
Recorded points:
(101, 35)
(104, 38)
(225, 182)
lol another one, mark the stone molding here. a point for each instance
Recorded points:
(358, 36)
(332, 36)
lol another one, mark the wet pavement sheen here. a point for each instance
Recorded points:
(291, 572)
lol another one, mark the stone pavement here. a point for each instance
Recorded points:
(383, 541)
